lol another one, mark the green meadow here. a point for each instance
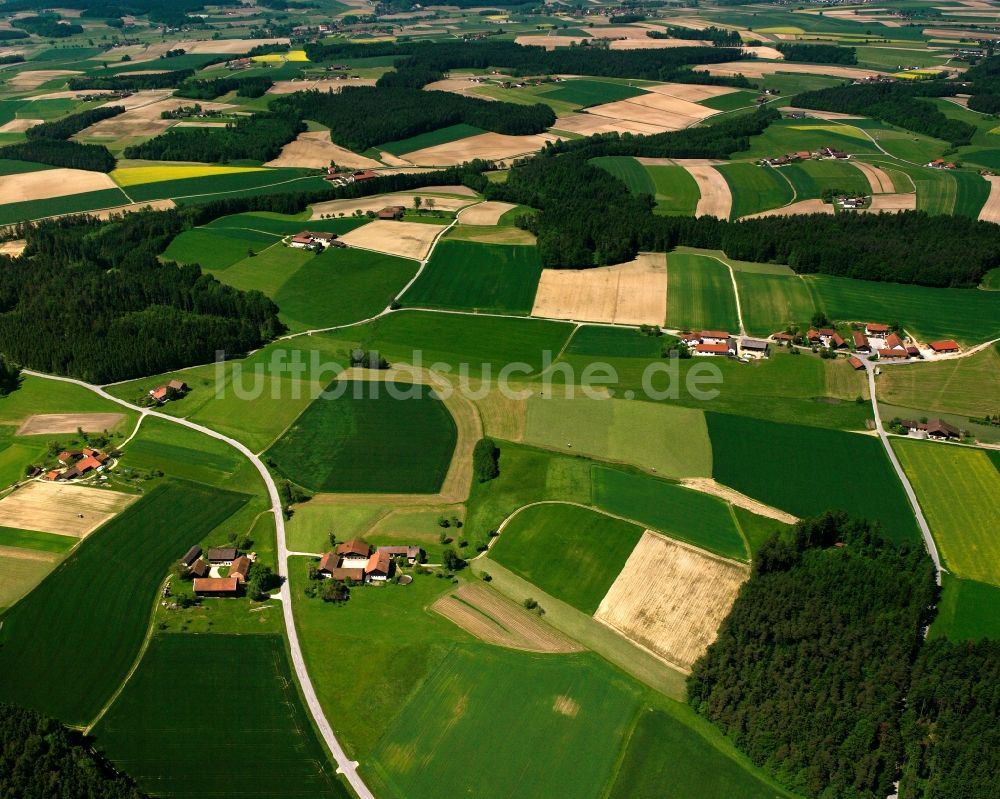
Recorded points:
(967, 611)
(585, 92)
(700, 294)
(755, 188)
(231, 184)
(676, 192)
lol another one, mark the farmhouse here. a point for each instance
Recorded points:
(892, 355)
(222, 556)
(784, 338)
(712, 349)
(876, 330)
(411, 553)
(837, 342)
(945, 346)
(714, 337)
(240, 568)
(200, 568)
(216, 586)
(829, 152)
(754, 348)
(329, 566)
(379, 567)
(932, 428)
(308, 239)
(894, 342)
(860, 342)
(391, 212)
(169, 391)
(355, 548)
(192, 555)
(855, 363)
(68, 456)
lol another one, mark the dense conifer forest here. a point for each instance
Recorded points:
(818, 53)
(95, 157)
(246, 86)
(74, 123)
(131, 81)
(811, 667)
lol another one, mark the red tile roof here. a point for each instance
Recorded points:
(892, 341)
(240, 568)
(889, 354)
(855, 363)
(859, 339)
(714, 334)
(354, 547)
(945, 345)
(721, 349)
(216, 585)
(329, 562)
(875, 327)
(379, 563)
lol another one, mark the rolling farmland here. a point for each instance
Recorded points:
(699, 294)
(629, 171)
(755, 188)
(677, 193)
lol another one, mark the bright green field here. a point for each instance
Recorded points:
(791, 135)
(744, 456)
(33, 539)
(216, 249)
(677, 193)
(967, 610)
(467, 275)
(810, 178)
(671, 440)
(572, 553)
(958, 489)
(991, 280)
(366, 440)
(700, 294)
(15, 457)
(586, 92)
(11, 213)
(769, 302)
(699, 519)
(755, 188)
(458, 713)
(431, 139)
(156, 733)
(341, 287)
(629, 171)
(95, 607)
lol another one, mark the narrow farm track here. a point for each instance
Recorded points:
(345, 766)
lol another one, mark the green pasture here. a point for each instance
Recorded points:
(957, 488)
(791, 135)
(607, 341)
(12, 213)
(372, 436)
(285, 224)
(802, 480)
(629, 171)
(699, 519)
(430, 139)
(95, 607)
(43, 395)
(572, 553)
(811, 178)
(10, 166)
(580, 709)
(169, 733)
(755, 188)
(676, 192)
(730, 102)
(21, 575)
(34, 539)
(756, 529)
(991, 281)
(265, 271)
(467, 275)
(967, 611)
(584, 92)
(668, 439)
(700, 294)
(216, 249)
(16, 457)
(770, 302)
(341, 287)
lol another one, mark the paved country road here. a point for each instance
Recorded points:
(345, 766)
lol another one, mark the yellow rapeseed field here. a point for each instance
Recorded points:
(137, 175)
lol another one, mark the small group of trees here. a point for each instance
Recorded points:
(486, 460)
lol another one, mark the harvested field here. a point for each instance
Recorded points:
(322, 85)
(14, 248)
(633, 293)
(667, 112)
(19, 125)
(692, 92)
(61, 508)
(33, 78)
(880, 182)
(991, 209)
(715, 196)
(42, 423)
(405, 239)
(487, 213)
(490, 146)
(709, 486)
(105, 213)
(497, 620)
(142, 120)
(220, 46)
(654, 44)
(314, 150)
(141, 98)
(380, 201)
(51, 183)
(760, 69)
(588, 124)
(457, 84)
(549, 42)
(671, 598)
(892, 203)
(801, 207)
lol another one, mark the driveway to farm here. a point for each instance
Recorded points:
(345, 766)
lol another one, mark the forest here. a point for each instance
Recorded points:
(71, 154)
(818, 53)
(48, 26)
(60, 129)
(896, 104)
(985, 85)
(130, 81)
(259, 137)
(362, 117)
(810, 669)
(245, 86)
(42, 759)
(719, 37)
(91, 300)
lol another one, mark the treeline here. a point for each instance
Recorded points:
(983, 83)
(896, 104)
(9, 35)
(818, 53)
(131, 81)
(60, 129)
(259, 137)
(362, 117)
(42, 759)
(92, 300)
(719, 37)
(71, 154)
(48, 26)
(810, 670)
(247, 86)
(170, 12)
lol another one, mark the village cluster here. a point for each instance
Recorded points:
(76, 463)
(711, 343)
(358, 562)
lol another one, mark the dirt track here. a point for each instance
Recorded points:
(708, 486)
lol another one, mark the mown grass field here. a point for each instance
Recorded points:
(585, 92)
(341, 287)
(580, 709)
(629, 171)
(677, 193)
(95, 607)
(805, 481)
(285, 224)
(967, 610)
(430, 139)
(367, 440)
(755, 188)
(957, 489)
(699, 519)
(671, 440)
(572, 553)
(216, 249)
(700, 294)
(199, 701)
(11, 213)
(245, 181)
(34, 539)
(769, 302)
(468, 275)
(966, 386)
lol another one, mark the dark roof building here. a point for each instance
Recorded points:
(200, 568)
(354, 548)
(191, 555)
(222, 554)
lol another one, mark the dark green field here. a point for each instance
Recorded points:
(467, 275)
(810, 178)
(237, 182)
(806, 470)
(365, 440)
(216, 249)
(592, 92)
(11, 213)
(629, 171)
(431, 139)
(283, 225)
(973, 191)
(700, 294)
(613, 342)
(9, 166)
(67, 646)
(220, 716)
(341, 287)
(755, 188)
(570, 552)
(677, 193)
(968, 610)
(681, 513)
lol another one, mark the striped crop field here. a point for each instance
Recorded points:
(139, 175)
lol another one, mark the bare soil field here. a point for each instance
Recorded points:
(955, 33)
(880, 182)
(588, 125)
(141, 98)
(33, 78)
(314, 150)
(763, 51)
(220, 46)
(800, 207)
(654, 44)
(689, 91)
(14, 248)
(670, 598)
(633, 293)
(487, 213)
(393, 160)
(457, 84)
(155, 205)
(380, 201)
(670, 113)
(142, 120)
(42, 423)
(19, 125)
(490, 146)
(892, 202)
(497, 620)
(549, 42)
(323, 85)
(406, 239)
(61, 508)
(490, 234)
(708, 486)
(991, 208)
(51, 183)
(759, 69)
(671, 105)
(716, 198)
